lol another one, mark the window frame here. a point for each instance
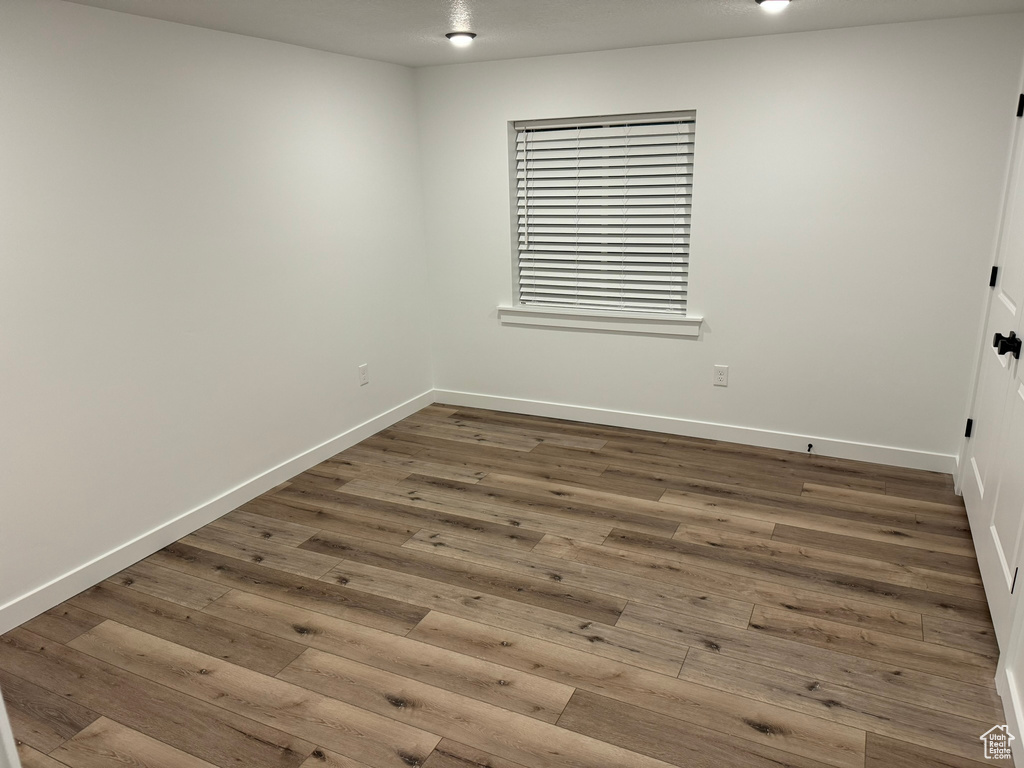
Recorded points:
(586, 318)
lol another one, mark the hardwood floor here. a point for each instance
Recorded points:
(479, 589)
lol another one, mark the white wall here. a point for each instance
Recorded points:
(202, 235)
(847, 189)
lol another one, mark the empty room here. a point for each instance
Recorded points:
(490, 384)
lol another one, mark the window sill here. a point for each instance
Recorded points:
(598, 320)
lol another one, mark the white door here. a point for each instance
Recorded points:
(993, 480)
(1006, 521)
(8, 750)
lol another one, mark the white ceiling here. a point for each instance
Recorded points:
(411, 32)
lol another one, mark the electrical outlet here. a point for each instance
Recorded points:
(364, 374)
(721, 375)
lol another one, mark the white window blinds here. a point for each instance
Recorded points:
(603, 212)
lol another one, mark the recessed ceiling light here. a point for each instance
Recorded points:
(773, 6)
(461, 39)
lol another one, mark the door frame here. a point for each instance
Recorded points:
(1017, 141)
(1010, 690)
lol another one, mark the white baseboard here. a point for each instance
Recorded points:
(843, 449)
(29, 605)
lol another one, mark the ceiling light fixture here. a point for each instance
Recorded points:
(461, 39)
(773, 6)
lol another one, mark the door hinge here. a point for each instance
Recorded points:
(992, 277)
(1020, 106)
(970, 427)
(1014, 584)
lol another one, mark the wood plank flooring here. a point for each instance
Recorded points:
(478, 589)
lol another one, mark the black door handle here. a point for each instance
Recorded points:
(1004, 344)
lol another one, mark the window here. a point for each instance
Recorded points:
(601, 212)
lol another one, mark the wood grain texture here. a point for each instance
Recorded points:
(803, 693)
(324, 758)
(33, 758)
(182, 721)
(485, 461)
(262, 527)
(682, 471)
(483, 726)
(883, 752)
(967, 637)
(942, 553)
(925, 521)
(935, 659)
(536, 494)
(625, 504)
(708, 580)
(418, 465)
(40, 718)
(544, 593)
(63, 623)
(202, 632)
(573, 575)
(536, 463)
(882, 677)
(381, 612)
(676, 458)
(886, 584)
(502, 686)
(666, 738)
(700, 705)
(474, 589)
(405, 506)
(350, 730)
(168, 584)
(105, 743)
(954, 509)
(451, 754)
(261, 551)
(337, 471)
(598, 639)
(473, 503)
(295, 510)
(902, 529)
(912, 490)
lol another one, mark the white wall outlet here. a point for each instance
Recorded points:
(721, 375)
(364, 374)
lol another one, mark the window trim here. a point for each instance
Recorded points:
(647, 324)
(551, 316)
